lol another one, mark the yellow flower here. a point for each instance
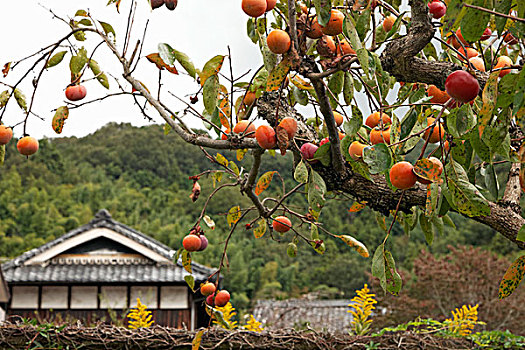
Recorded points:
(464, 320)
(253, 325)
(139, 317)
(363, 304)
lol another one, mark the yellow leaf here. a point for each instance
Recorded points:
(357, 206)
(241, 153)
(234, 214)
(276, 77)
(512, 277)
(260, 230)
(264, 182)
(186, 260)
(196, 343)
(356, 245)
(221, 159)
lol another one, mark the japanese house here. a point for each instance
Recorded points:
(98, 270)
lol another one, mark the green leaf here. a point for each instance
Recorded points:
(384, 268)
(56, 59)
(512, 277)
(264, 182)
(81, 13)
(378, 158)
(2, 154)
(269, 58)
(426, 227)
(461, 121)
(521, 234)
(348, 88)
(432, 199)
(318, 246)
(291, 250)
(323, 9)
(59, 118)
(101, 77)
(301, 173)
(352, 126)
(234, 167)
(4, 97)
(210, 93)
(475, 21)
(502, 6)
(186, 260)
(316, 191)
(21, 99)
(323, 154)
(190, 280)
(465, 196)
(77, 62)
(108, 29)
(170, 55)
(335, 85)
(491, 181)
(260, 230)
(234, 214)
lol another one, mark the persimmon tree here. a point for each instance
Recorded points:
(445, 81)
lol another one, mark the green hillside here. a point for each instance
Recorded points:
(141, 176)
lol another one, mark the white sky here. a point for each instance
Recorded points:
(199, 28)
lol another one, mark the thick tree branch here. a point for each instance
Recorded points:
(399, 56)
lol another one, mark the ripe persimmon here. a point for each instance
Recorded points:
(314, 31)
(254, 8)
(76, 92)
(278, 41)
(191, 243)
(6, 133)
(438, 132)
(27, 145)
(265, 136)
(335, 23)
(402, 175)
(270, 4)
(438, 95)
(338, 118)
(356, 150)
(470, 53)
(245, 127)
(345, 48)
(249, 98)
(388, 23)
(373, 119)
(478, 63)
(503, 61)
(222, 298)
(290, 125)
(208, 288)
(380, 136)
(282, 224)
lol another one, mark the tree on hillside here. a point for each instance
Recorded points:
(445, 83)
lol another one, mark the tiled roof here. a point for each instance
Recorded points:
(329, 315)
(15, 270)
(74, 273)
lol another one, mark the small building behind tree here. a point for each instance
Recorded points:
(97, 271)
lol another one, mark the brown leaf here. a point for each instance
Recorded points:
(5, 71)
(195, 192)
(159, 62)
(282, 139)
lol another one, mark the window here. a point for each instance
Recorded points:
(24, 297)
(114, 297)
(174, 297)
(84, 297)
(147, 295)
(54, 297)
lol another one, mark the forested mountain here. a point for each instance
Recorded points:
(141, 176)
